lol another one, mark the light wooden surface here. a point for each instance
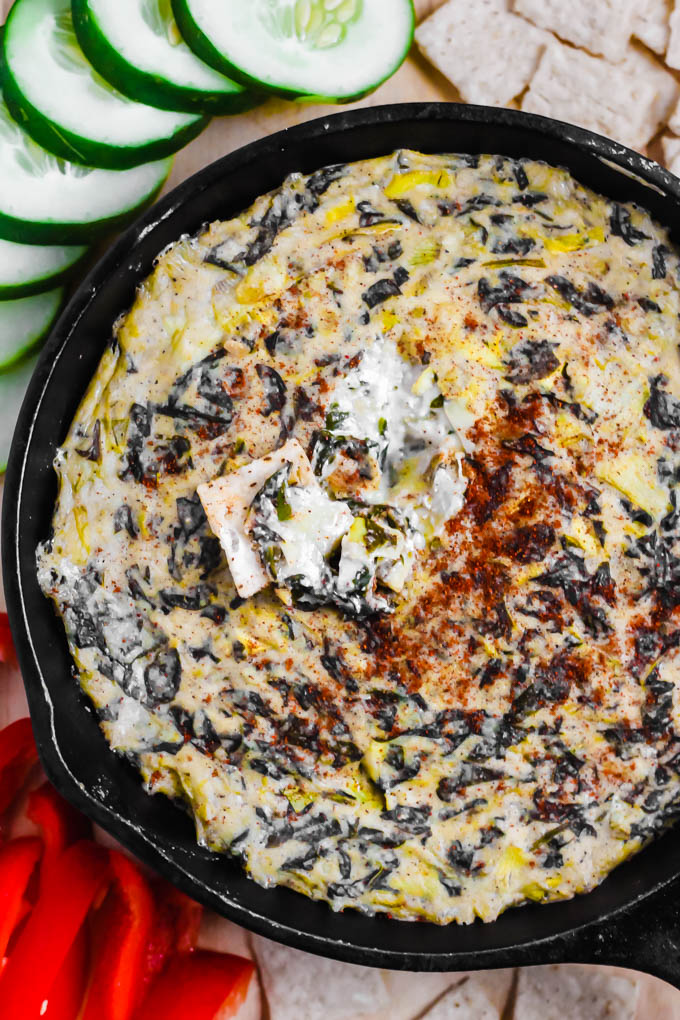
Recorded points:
(407, 995)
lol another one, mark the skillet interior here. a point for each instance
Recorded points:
(72, 748)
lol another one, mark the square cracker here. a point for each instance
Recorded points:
(463, 1002)
(643, 66)
(652, 25)
(410, 999)
(670, 145)
(573, 86)
(601, 26)
(673, 48)
(302, 987)
(488, 53)
(576, 993)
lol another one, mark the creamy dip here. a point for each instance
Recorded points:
(367, 543)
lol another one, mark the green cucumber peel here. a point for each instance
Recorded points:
(46, 200)
(155, 66)
(24, 325)
(13, 386)
(28, 269)
(67, 107)
(308, 50)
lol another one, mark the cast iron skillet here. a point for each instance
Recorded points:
(632, 918)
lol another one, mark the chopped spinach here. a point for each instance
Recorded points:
(275, 391)
(510, 290)
(94, 450)
(477, 202)
(531, 198)
(511, 317)
(514, 246)
(163, 676)
(659, 253)
(406, 207)
(321, 181)
(531, 360)
(621, 226)
(380, 291)
(123, 520)
(520, 176)
(588, 301)
(662, 409)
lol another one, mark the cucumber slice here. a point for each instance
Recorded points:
(13, 386)
(27, 269)
(136, 45)
(44, 200)
(25, 323)
(52, 91)
(333, 50)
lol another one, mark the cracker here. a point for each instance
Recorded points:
(670, 145)
(227, 500)
(464, 1001)
(409, 998)
(571, 85)
(300, 987)
(652, 24)
(673, 121)
(579, 993)
(673, 48)
(644, 67)
(601, 26)
(488, 53)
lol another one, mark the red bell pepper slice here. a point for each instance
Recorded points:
(124, 928)
(65, 997)
(197, 985)
(7, 652)
(18, 755)
(183, 914)
(17, 863)
(79, 875)
(60, 825)
(176, 929)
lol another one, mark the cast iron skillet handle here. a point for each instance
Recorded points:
(644, 936)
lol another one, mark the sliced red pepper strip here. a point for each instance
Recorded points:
(124, 927)
(61, 825)
(176, 929)
(18, 755)
(17, 863)
(7, 652)
(65, 997)
(59, 822)
(79, 875)
(197, 985)
(184, 915)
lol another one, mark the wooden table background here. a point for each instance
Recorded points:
(409, 995)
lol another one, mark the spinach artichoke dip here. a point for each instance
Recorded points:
(367, 544)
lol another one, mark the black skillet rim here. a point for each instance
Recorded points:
(541, 933)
